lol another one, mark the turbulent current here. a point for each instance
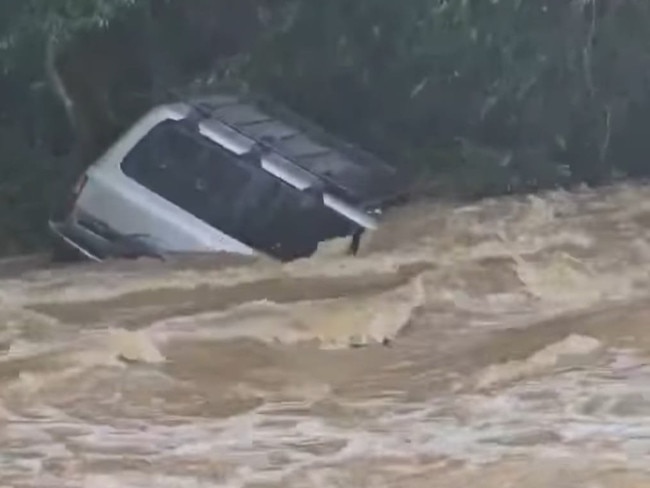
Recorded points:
(505, 343)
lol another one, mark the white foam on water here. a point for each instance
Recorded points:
(336, 323)
(98, 404)
(522, 420)
(571, 352)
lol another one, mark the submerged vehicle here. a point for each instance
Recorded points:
(225, 173)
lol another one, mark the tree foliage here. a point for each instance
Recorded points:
(477, 97)
(547, 84)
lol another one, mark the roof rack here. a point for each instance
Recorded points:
(345, 170)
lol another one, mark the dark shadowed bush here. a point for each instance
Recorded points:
(472, 97)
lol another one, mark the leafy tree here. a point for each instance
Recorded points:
(479, 97)
(40, 29)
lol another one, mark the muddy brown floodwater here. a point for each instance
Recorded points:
(501, 344)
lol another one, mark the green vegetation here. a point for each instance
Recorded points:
(473, 97)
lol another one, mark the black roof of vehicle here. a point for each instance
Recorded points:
(344, 169)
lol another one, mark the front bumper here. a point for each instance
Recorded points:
(97, 241)
(79, 239)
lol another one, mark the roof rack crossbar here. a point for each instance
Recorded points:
(315, 154)
(256, 122)
(269, 146)
(287, 137)
(209, 107)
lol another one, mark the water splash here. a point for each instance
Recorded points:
(518, 354)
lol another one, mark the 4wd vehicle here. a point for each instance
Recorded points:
(224, 173)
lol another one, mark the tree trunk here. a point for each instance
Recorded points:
(60, 89)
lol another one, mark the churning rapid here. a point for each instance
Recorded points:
(505, 343)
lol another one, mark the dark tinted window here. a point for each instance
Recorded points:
(231, 194)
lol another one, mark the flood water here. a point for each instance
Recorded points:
(505, 343)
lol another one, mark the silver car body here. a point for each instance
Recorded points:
(109, 199)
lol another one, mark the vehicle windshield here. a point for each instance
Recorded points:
(232, 195)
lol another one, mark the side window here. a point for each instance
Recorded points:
(191, 172)
(231, 195)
